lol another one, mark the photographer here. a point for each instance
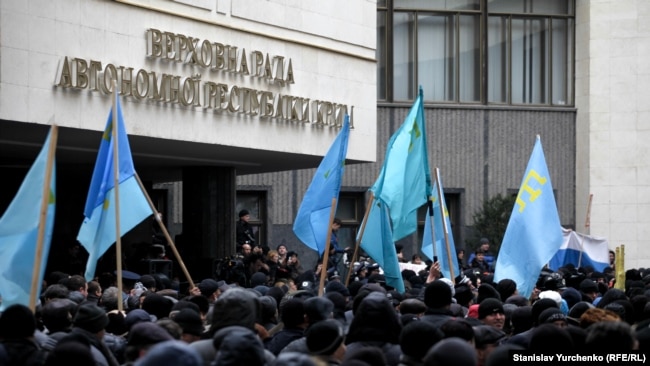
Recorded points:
(244, 230)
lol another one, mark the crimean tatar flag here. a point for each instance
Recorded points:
(98, 230)
(405, 179)
(312, 221)
(534, 233)
(377, 242)
(19, 233)
(439, 233)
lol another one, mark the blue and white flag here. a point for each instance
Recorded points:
(595, 251)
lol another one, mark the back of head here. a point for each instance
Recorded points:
(235, 307)
(292, 312)
(318, 308)
(57, 314)
(417, 337)
(70, 351)
(506, 288)
(17, 322)
(451, 352)
(324, 337)
(91, 318)
(157, 305)
(548, 338)
(541, 305)
(170, 352)
(459, 328)
(375, 320)
(237, 345)
(615, 337)
(437, 295)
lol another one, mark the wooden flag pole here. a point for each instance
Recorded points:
(358, 241)
(166, 233)
(587, 224)
(326, 254)
(444, 226)
(116, 182)
(36, 271)
(619, 271)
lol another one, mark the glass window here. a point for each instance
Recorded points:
(437, 56)
(439, 4)
(530, 50)
(404, 87)
(498, 62)
(469, 59)
(527, 59)
(550, 7)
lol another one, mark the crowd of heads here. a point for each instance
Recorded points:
(259, 319)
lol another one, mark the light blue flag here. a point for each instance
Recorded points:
(534, 233)
(312, 221)
(439, 234)
(97, 232)
(377, 242)
(405, 179)
(19, 234)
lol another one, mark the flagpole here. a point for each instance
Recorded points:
(444, 226)
(326, 254)
(587, 224)
(36, 271)
(358, 242)
(116, 174)
(165, 232)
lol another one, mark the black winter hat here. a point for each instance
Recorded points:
(244, 212)
(324, 337)
(489, 306)
(91, 318)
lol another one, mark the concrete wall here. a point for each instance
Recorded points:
(613, 102)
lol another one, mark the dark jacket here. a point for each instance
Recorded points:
(24, 352)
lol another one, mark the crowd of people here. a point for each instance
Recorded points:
(272, 314)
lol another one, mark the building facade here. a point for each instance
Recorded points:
(231, 105)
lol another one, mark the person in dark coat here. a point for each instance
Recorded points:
(17, 328)
(376, 323)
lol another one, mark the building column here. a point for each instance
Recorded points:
(208, 226)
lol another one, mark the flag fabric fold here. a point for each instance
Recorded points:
(377, 242)
(19, 233)
(312, 221)
(595, 251)
(405, 179)
(438, 233)
(534, 233)
(98, 230)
